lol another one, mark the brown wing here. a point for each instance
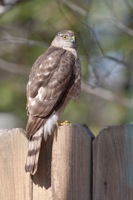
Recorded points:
(50, 80)
(76, 87)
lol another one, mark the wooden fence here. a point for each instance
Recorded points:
(72, 166)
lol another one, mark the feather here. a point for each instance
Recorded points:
(54, 80)
(34, 146)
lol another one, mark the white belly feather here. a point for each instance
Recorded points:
(50, 124)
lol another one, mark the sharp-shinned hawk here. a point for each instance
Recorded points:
(55, 78)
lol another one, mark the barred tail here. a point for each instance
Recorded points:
(34, 146)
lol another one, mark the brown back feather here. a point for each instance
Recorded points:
(56, 86)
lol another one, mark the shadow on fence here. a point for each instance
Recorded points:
(72, 166)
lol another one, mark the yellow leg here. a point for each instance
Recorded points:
(63, 123)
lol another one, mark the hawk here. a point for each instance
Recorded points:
(55, 78)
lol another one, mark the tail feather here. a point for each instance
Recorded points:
(35, 138)
(33, 125)
(34, 146)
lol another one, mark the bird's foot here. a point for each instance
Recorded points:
(63, 123)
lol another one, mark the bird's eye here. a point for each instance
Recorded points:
(65, 37)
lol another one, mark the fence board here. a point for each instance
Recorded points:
(64, 166)
(71, 163)
(14, 182)
(70, 168)
(113, 164)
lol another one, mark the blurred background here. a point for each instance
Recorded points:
(104, 31)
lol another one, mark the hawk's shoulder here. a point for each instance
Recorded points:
(51, 51)
(55, 64)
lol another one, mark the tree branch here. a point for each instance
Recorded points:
(13, 68)
(107, 95)
(76, 8)
(10, 39)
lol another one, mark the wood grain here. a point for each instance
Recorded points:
(113, 164)
(15, 184)
(64, 171)
(71, 163)
(65, 162)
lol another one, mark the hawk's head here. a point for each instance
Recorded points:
(65, 38)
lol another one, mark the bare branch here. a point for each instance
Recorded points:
(94, 37)
(107, 95)
(76, 8)
(116, 21)
(6, 5)
(123, 27)
(9, 39)
(120, 61)
(118, 24)
(128, 4)
(13, 68)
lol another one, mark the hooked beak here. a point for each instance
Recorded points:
(73, 39)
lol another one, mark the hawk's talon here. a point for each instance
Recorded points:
(63, 123)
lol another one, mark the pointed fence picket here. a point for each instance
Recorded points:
(73, 165)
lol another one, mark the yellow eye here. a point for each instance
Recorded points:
(65, 37)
